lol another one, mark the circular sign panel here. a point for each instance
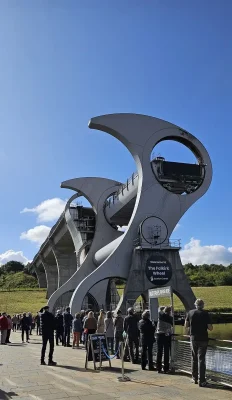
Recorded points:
(154, 230)
(158, 270)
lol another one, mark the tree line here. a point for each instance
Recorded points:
(209, 275)
(198, 275)
(16, 266)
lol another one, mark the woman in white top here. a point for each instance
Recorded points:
(109, 331)
(100, 322)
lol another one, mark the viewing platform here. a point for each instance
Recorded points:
(23, 378)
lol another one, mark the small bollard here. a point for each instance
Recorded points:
(123, 378)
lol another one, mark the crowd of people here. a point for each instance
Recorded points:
(132, 331)
(25, 323)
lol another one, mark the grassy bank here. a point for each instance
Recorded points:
(18, 301)
(218, 298)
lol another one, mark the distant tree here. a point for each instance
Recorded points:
(12, 266)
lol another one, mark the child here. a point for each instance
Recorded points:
(77, 329)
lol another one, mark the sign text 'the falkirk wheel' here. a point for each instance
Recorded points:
(158, 270)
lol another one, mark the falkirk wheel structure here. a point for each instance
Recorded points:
(85, 252)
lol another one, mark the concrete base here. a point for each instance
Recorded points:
(138, 284)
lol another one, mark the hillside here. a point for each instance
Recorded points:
(17, 280)
(17, 301)
(216, 298)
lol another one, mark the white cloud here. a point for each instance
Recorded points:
(196, 254)
(48, 210)
(38, 234)
(11, 255)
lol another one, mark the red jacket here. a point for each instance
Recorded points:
(3, 323)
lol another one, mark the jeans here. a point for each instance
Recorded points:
(163, 346)
(147, 348)
(47, 337)
(3, 336)
(118, 338)
(67, 330)
(199, 349)
(110, 342)
(132, 341)
(27, 334)
(14, 327)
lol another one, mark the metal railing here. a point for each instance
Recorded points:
(115, 196)
(173, 243)
(218, 358)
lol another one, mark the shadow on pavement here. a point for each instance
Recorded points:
(219, 386)
(7, 395)
(112, 369)
(210, 384)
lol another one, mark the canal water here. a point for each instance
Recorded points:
(220, 331)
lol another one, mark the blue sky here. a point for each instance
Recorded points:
(63, 62)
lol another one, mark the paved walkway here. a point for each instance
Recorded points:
(23, 378)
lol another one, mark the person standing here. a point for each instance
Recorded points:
(47, 323)
(77, 329)
(90, 326)
(10, 326)
(3, 327)
(25, 326)
(14, 322)
(109, 331)
(100, 322)
(84, 335)
(199, 322)
(147, 331)
(164, 334)
(37, 323)
(18, 322)
(131, 329)
(59, 324)
(118, 331)
(67, 326)
(30, 322)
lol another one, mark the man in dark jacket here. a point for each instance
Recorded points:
(47, 324)
(37, 322)
(67, 326)
(147, 331)
(25, 326)
(199, 322)
(131, 328)
(59, 323)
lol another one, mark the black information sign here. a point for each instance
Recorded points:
(96, 343)
(158, 270)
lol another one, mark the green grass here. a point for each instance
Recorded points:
(15, 302)
(215, 298)
(18, 301)
(18, 280)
